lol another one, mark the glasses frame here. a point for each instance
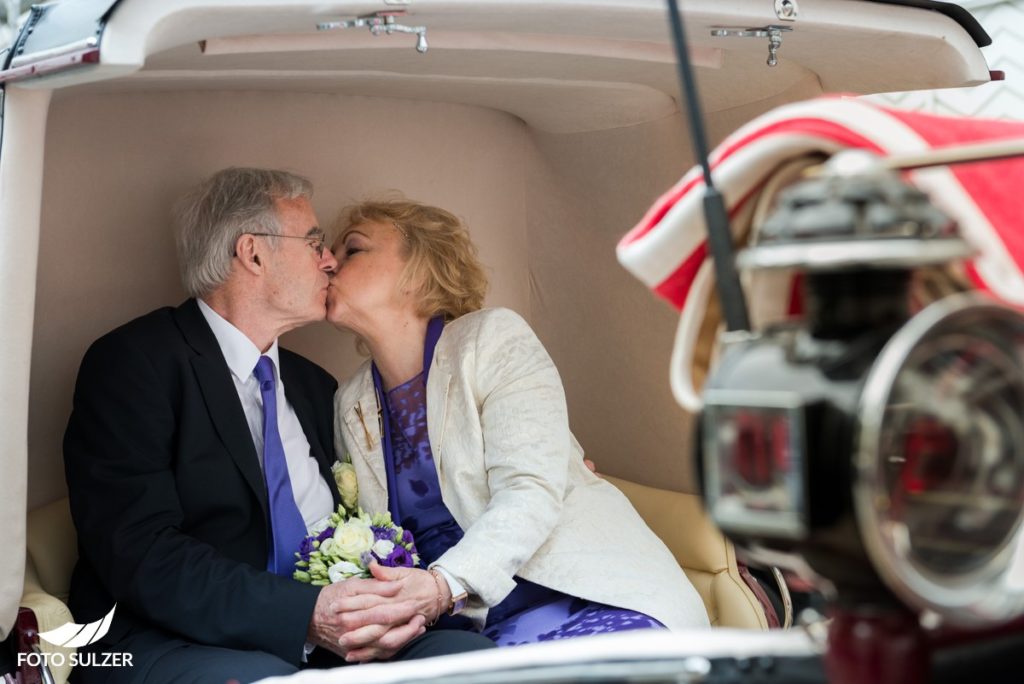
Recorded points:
(319, 239)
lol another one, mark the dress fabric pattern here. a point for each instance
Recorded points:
(529, 614)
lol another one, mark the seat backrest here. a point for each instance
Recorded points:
(52, 546)
(706, 557)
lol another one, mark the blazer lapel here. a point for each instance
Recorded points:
(359, 412)
(438, 384)
(214, 379)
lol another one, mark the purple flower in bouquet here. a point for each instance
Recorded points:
(348, 543)
(305, 548)
(307, 545)
(398, 558)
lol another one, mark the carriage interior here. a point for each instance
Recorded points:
(550, 128)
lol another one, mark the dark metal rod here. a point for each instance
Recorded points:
(730, 292)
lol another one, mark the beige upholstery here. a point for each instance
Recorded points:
(708, 559)
(53, 546)
(50, 557)
(679, 519)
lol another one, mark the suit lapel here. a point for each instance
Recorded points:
(214, 379)
(359, 413)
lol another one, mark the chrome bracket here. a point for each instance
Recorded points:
(773, 33)
(378, 23)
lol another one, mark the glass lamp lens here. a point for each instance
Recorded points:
(953, 453)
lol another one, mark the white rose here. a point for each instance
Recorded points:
(345, 478)
(319, 526)
(342, 570)
(352, 540)
(383, 548)
(325, 546)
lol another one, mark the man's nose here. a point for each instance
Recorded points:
(328, 264)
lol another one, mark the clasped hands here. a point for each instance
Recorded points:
(372, 619)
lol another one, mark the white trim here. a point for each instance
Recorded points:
(634, 647)
(21, 186)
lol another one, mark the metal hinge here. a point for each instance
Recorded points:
(772, 32)
(378, 23)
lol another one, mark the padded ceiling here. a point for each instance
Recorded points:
(559, 67)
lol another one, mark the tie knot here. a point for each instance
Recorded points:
(264, 372)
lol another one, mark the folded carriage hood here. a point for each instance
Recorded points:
(560, 65)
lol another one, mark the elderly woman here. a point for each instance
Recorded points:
(458, 426)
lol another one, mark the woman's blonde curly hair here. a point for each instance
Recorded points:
(443, 264)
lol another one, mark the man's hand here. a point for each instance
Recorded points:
(361, 620)
(591, 467)
(393, 596)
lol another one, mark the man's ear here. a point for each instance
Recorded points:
(247, 253)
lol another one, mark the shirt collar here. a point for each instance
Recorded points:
(239, 351)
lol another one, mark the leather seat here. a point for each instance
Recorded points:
(52, 549)
(679, 519)
(707, 558)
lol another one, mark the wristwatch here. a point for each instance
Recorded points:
(458, 603)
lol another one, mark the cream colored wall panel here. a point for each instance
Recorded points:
(545, 209)
(116, 163)
(24, 111)
(610, 338)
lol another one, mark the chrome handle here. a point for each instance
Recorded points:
(787, 599)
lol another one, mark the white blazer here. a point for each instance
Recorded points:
(513, 477)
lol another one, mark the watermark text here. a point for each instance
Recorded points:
(109, 659)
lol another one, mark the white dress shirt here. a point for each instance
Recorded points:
(312, 495)
(310, 490)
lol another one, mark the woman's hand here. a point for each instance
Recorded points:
(427, 590)
(339, 621)
(401, 592)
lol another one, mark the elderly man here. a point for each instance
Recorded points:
(198, 452)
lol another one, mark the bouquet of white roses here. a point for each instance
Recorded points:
(345, 543)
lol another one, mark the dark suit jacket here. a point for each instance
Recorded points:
(167, 494)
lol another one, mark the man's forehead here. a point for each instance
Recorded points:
(299, 210)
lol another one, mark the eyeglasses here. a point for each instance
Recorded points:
(316, 242)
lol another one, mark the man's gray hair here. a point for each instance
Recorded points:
(211, 218)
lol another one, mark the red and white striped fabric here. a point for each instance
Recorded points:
(667, 249)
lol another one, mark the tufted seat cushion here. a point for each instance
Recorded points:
(678, 519)
(53, 546)
(708, 559)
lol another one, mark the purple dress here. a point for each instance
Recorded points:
(531, 612)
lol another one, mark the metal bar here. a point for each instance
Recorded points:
(960, 154)
(727, 280)
(60, 63)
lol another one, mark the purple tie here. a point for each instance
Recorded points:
(286, 526)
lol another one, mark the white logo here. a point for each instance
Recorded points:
(74, 635)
